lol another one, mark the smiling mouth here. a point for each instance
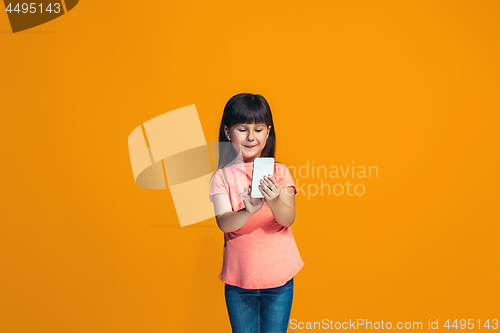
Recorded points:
(250, 147)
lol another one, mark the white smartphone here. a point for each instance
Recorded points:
(262, 166)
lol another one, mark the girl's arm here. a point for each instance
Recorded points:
(229, 221)
(283, 207)
(232, 221)
(280, 200)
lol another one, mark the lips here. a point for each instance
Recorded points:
(250, 147)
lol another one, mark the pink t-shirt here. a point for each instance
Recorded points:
(262, 253)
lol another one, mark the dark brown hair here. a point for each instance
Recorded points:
(245, 108)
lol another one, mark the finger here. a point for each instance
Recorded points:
(268, 196)
(267, 183)
(264, 192)
(243, 195)
(273, 181)
(272, 189)
(270, 183)
(262, 187)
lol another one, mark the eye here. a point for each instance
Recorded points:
(243, 130)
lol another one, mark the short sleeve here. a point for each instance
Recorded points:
(218, 185)
(285, 178)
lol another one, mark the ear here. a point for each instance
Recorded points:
(226, 130)
(268, 131)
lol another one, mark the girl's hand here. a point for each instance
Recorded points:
(252, 205)
(270, 189)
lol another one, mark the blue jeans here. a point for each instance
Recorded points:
(259, 310)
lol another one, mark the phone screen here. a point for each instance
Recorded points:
(262, 166)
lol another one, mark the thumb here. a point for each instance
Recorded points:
(244, 194)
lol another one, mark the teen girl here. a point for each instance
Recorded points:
(260, 257)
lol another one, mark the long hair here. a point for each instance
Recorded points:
(245, 108)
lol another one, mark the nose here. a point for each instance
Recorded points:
(250, 136)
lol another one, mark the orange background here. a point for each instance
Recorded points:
(410, 87)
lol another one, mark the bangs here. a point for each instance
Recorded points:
(249, 111)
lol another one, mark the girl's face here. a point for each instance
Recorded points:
(250, 139)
